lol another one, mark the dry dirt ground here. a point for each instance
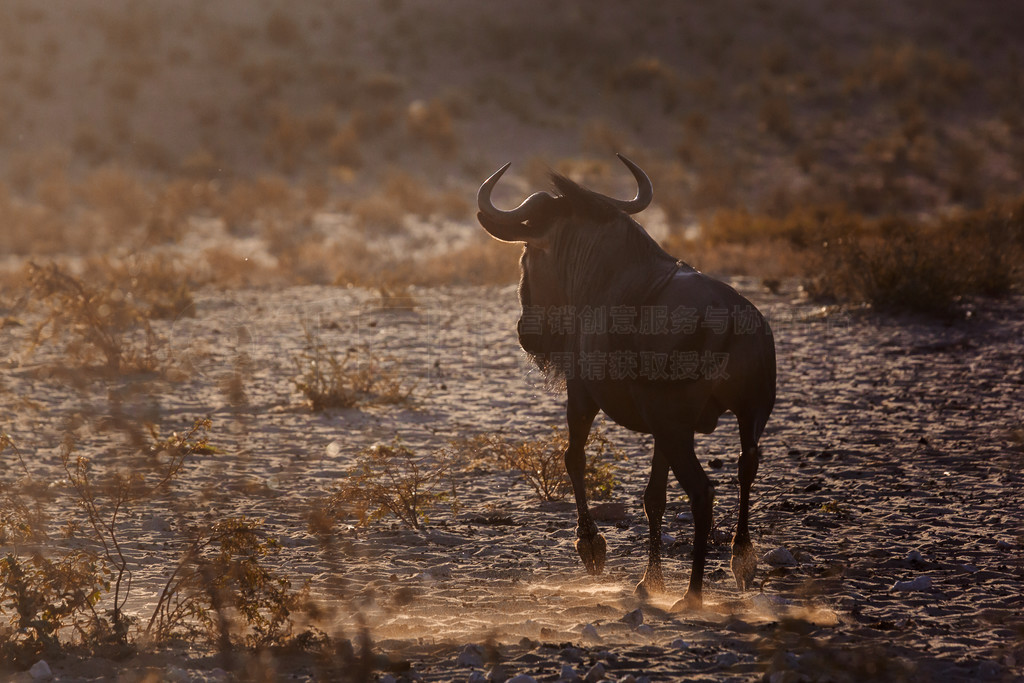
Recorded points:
(891, 457)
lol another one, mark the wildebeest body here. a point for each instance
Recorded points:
(659, 347)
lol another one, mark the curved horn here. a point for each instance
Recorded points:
(644, 192)
(530, 207)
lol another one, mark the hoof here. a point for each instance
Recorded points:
(691, 602)
(649, 585)
(592, 552)
(743, 565)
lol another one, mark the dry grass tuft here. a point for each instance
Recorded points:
(357, 378)
(392, 480)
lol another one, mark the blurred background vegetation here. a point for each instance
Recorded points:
(254, 143)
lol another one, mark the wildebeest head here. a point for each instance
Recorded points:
(578, 245)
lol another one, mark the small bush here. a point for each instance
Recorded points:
(45, 597)
(541, 464)
(92, 321)
(329, 381)
(222, 589)
(898, 263)
(392, 480)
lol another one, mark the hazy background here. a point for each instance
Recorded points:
(299, 135)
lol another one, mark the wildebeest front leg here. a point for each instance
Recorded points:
(654, 508)
(580, 413)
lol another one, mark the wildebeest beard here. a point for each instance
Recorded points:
(538, 340)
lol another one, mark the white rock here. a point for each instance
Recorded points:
(780, 557)
(915, 557)
(633, 619)
(645, 630)
(471, 656)
(522, 678)
(685, 516)
(679, 644)
(40, 671)
(477, 677)
(589, 632)
(667, 539)
(568, 673)
(595, 674)
(921, 583)
(1003, 545)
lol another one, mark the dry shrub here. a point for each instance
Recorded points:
(287, 140)
(281, 30)
(222, 589)
(540, 463)
(378, 213)
(431, 123)
(382, 85)
(201, 165)
(44, 598)
(343, 147)
(247, 201)
(109, 316)
(392, 480)
(356, 378)
(898, 263)
(91, 322)
(481, 262)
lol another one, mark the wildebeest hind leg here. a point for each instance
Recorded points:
(744, 562)
(654, 508)
(580, 413)
(679, 453)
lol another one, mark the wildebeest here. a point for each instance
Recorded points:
(661, 348)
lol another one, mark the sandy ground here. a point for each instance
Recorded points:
(889, 459)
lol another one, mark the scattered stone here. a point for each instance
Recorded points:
(497, 674)
(388, 678)
(915, 557)
(727, 659)
(477, 677)
(589, 632)
(667, 539)
(716, 463)
(645, 630)
(628, 678)
(522, 678)
(568, 673)
(684, 516)
(471, 656)
(40, 671)
(679, 644)
(1003, 545)
(633, 619)
(596, 673)
(780, 557)
(921, 583)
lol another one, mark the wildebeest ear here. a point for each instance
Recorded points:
(509, 232)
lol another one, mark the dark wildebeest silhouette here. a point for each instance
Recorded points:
(659, 347)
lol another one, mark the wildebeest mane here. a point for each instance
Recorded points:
(591, 270)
